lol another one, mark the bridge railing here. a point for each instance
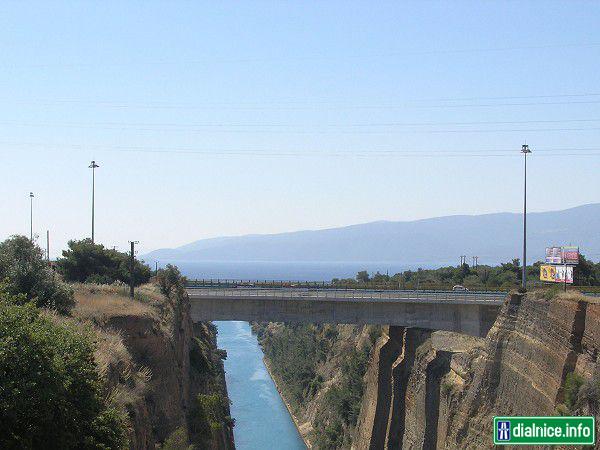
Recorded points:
(315, 294)
(389, 286)
(386, 286)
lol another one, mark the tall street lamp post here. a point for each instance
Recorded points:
(93, 166)
(525, 150)
(31, 216)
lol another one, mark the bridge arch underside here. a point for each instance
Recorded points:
(472, 318)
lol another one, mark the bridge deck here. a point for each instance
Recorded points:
(464, 312)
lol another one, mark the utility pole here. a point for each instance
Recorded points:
(31, 216)
(525, 150)
(93, 166)
(131, 269)
(48, 246)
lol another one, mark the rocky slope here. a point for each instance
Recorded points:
(164, 371)
(433, 390)
(428, 390)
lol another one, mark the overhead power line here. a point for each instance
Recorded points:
(325, 106)
(356, 129)
(407, 153)
(164, 126)
(291, 56)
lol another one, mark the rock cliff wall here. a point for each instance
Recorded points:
(424, 389)
(441, 390)
(179, 359)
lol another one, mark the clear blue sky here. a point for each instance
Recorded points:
(227, 118)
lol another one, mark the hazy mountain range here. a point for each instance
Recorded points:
(437, 241)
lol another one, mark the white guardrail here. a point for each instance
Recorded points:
(315, 294)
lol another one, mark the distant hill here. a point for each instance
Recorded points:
(494, 238)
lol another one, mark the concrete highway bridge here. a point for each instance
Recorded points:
(465, 312)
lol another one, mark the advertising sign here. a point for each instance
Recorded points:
(556, 274)
(570, 255)
(547, 273)
(553, 255)
(562, 255)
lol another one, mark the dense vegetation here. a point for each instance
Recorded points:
(298, 356)
(88, 262)
(505, 276)
(27, 277)
(342, 403)
(209, 414)
(54, 388)
(50, 392)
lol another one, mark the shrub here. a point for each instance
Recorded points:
(374, 333)
(208, 416)
(573, 383)
(331, 437)
(86, 261)
(447, 387)
(23, 270)
(170, 280)
(562, 410)
(551, 292)
(178, 440)
(199, 357)
(50, 392)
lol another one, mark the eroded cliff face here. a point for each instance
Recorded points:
(441, 390)
(179, 360)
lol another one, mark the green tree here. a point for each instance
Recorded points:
(23, 270)
(86, 261)
(381, 278)
(514, 266)
(170, 280)
(50, 392)
(362, 276)
(587, 273)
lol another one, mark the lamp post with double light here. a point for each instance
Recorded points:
(525, 150)
(93, 166)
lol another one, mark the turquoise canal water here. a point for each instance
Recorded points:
(261, 419)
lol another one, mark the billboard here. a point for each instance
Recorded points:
(556, 274)
(562, 255)
(570, 255)
(553, 255)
